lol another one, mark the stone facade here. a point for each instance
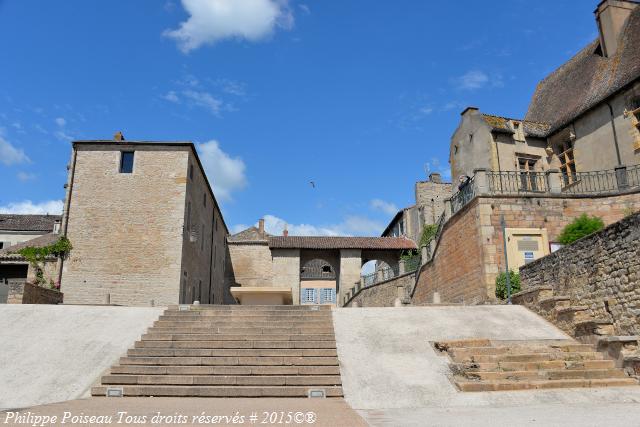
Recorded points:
(383, 294)
(136, 240)
(469, 254)
(286, 271)
(27, 293)
(601, 271)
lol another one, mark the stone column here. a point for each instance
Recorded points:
(447, 209)
(554, 181)
(350, 265)
(481, 181)
(621, 177)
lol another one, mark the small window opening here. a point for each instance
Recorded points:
(191, 172)
(326, 269)
(126, 162)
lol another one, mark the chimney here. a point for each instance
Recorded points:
(285, 232)
(118, 137)
(261, 226)
(435, 178)
(610, 17)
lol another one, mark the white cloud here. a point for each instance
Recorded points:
(476, 79)
(382, 206)
(305, 9)
(426, 110)
(351, 225)
(213, 20)
(434, 165)
(60, 121)
(171, 96)
(9, 154)
(204, 100)
(25, 176)
(473, 79)
(226, 174)
(53, 207)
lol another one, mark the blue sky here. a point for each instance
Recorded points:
(360, 97)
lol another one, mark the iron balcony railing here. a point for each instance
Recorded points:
(599, 182)
(465, 194)
(517, 182)
(387, 273)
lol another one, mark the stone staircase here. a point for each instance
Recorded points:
(231, 351)
(482, 365)
(580, 322)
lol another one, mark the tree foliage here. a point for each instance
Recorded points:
(501, 284)
(36, 256)
(580, 227)
(428, 233)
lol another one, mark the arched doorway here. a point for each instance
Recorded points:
(377, 270)
(318, 282)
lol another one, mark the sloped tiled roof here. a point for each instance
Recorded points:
(11, 222)
(250, 234)
(587, 79)
(328, 242)
(40, 241)
(504, 125)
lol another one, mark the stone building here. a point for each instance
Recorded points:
(576, 151)
(16, 232)
(267, 269)
(583, 117)
(16, 229)
(144, 224)
(410, 221)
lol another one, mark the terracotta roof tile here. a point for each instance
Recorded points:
(587, 79)
(11, 222)
(329, 242)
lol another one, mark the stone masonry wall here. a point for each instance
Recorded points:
(126, 229)
(456, 271)
(251, 264)
(601, 271)
(27, 293)
(383, 294)
(470, 254)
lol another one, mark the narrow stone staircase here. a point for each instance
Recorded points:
(482, 365)
(231, 351)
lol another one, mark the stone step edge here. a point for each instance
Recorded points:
(560, 383)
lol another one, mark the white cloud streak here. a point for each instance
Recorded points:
(351, 226)
(226, 174)
(382, 206)
(52, 207)
(213, 20)
(10, 155)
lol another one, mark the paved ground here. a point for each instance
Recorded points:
(573, 415)
(52, 353)
(393, 377)
(311, 412)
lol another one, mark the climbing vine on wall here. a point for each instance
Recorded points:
(36, 256)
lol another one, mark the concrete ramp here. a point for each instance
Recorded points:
(386, 360)
(53, 353)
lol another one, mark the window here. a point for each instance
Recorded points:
(190, 171)
(567, 162)
(308, 296)
(327, 296)
(326, 269)
(526, 166)
(126, 162)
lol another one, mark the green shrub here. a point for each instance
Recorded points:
(580, 227)
(428, 233)
(501, 284)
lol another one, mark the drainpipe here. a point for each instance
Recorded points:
(67, 205)
(615, 135)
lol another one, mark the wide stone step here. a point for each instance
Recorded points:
(473, 351)
(543, 384)
(206, 344)
(225, 370)
(197, 352)
(225, 324)
(243, 360)
(249, 308)
(240, 330)
(244, 380)
(274, 315)
(531, 357)
(534, 366)
(547, 375)
(237, 337)
(218, 391)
